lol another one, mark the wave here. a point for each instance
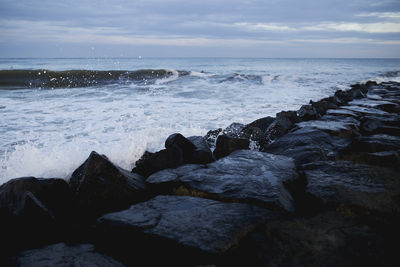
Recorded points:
(43, 78)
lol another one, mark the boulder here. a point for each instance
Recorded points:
(150, 163)
(61, 254)
(334, 125)
(211, 137)
(33, 211)
(261, 124)
(324, 104)
(226, 145)
(183, 143)
(307, 144)
(356, 190)
(326, 239)
(371, 125)
(243, 176)
(180, 230)
(308, 112)
(202, 153)
(285, 120)
(100, 187)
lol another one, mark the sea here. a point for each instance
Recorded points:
(55, 111)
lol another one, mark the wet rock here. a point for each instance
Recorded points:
(226, 145)
(211, 137)
(150, 163)
(365, 110)
(307, 144)
(374, 143)
(324, 104)
(285, 120)
(245, 176)
(100, 187)
(334, 125)
(341, 112)
(202, 153)
(181, 230)
(356, 189)
(389, 125)
(234, 130)
(33, 211)
(65, 255)
(308, 112)
(327, 239)
(261, 124)
(183, 143)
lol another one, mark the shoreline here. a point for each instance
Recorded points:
(330, 167)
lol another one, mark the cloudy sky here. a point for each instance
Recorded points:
(171, 28)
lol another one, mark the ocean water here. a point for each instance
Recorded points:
(54, 112)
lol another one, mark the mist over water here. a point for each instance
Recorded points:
(48, 128)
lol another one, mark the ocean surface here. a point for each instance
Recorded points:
(54, 112)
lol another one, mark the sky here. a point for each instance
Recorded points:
(206, 28)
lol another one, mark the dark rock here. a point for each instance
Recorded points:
(308, 112)
(180, 230)
(245, 176)
(358, 190)
(307, 144)
(211, 137)
(184, 144)
(341, 112)
(102, 187)
(226, 145)
(389, 125)
(65, 255)
(285, 120)
(33, 211)
(234, 130)
(324, 104)
(202, 154)
(327, 239)
(365, 110)
(262, 123)
(334, 125)
(150, 163)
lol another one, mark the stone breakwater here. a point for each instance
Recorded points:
(315, 187)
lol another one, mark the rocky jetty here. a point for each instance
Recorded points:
(315, 187)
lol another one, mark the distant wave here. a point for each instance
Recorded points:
(81, 78)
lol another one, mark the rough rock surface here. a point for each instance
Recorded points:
(307, 144)
(354, 187)
(65, 255)
(245, 176)
(100, 186)
(226, 145)
(187, 228)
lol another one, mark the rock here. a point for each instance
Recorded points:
(33, 211)
(184, 144)
(327, 239)
(334, 125)
(180, 230)
(284, 121)
(308, 112)
(365, 110)
(389, 125)
(211, 137)
(357, 190)
(341, 112)
(234, 130)
(226, 145)
(324, 104)
(262, 123)
(65, 255)
(243, 176)
(307, 144)
(100, 187)
(150, 163)
(202, 154)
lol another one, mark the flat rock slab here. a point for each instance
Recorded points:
(64, 255)
(334, 125)
(364, 110)
(308, 144)
(341, 112)
(186, 226)
(244, 175)
(346, 184)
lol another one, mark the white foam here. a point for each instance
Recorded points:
(170, 78)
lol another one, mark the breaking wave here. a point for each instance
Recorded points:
(43, 78)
